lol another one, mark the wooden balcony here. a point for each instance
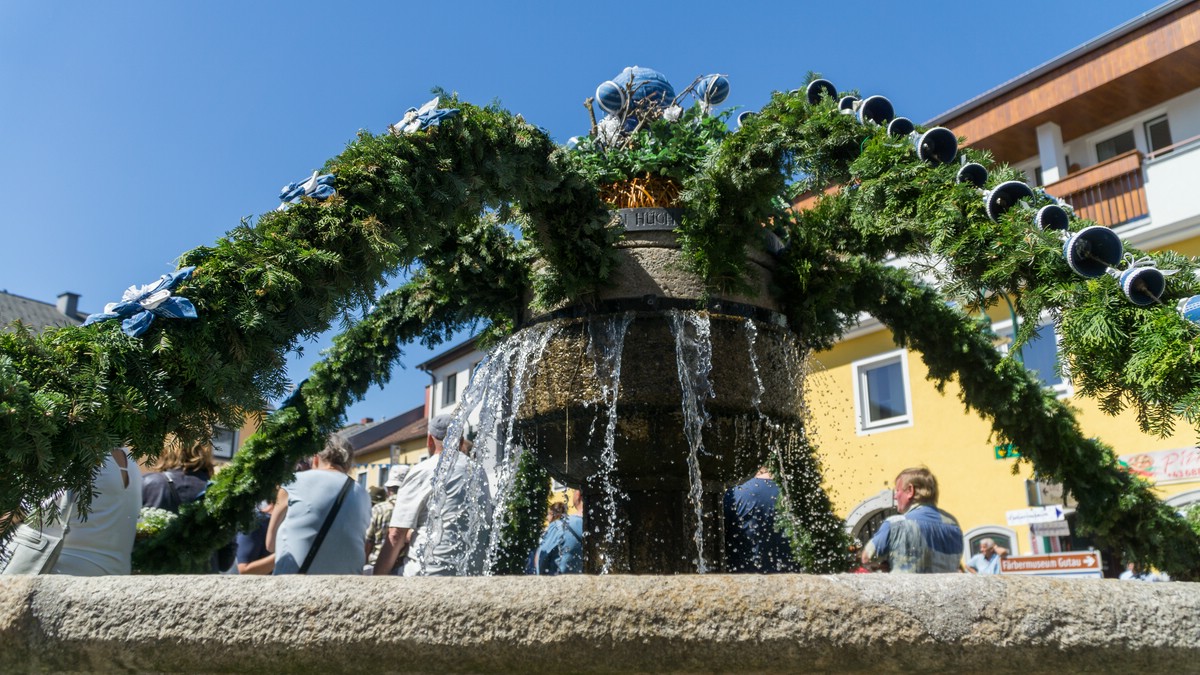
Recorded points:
(1110, 193)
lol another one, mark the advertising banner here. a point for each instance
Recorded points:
(1165, 466)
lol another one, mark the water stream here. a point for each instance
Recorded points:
(496, 390)
(606, 344)
(693, 360)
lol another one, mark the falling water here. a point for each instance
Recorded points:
(693, 358)
(497, 389)
(606, 343)
(528, 356)
(751, 337)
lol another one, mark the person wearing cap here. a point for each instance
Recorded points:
(381, 515)
(409, 536)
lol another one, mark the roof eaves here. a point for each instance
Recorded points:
(449, 355)
(1089, 46)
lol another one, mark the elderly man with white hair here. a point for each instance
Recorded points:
(433, 531)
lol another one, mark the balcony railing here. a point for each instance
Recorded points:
(1110, 193)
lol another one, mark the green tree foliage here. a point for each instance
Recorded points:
(525, 514)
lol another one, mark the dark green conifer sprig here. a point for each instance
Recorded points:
(521, 528)
(1119, 507)
(479, 272)
(72, 394)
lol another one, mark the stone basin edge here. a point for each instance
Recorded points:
(713, 623)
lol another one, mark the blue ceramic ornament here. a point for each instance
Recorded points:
(1092, 250)
(1189, 309)
(632, 88)
(713, 89)
(1143, 286)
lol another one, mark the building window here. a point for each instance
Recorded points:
(450, 390)
(224, 442)
(1109, 148)
(383, 473)
(1002, 536)
(881, 394)
(1039, 354)
(1158, 134)
(362, 479)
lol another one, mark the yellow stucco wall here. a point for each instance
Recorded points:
(975, 486)
(410, 452)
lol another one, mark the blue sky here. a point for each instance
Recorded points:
(133, 131)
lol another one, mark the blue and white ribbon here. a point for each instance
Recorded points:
(316, 186)
(428, 115)
(140, 304)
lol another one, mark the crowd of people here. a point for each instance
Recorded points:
(324, 522)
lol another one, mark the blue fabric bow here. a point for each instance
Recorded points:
(428, 115)
(315, 186)
(140, 304)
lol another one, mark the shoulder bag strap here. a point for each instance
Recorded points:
(174, 490)
(333, 511)
(568, 528)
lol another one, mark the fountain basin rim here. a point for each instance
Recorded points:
(655, 304)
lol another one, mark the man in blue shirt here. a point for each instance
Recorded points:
(923, 539)
(752, 543)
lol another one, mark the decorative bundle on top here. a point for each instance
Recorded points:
(647, 143)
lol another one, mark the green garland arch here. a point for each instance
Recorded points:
(437, 198)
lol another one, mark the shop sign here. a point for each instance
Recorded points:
(1165, 466)
(1034, 514)
(1007, 451)
(1058, 528)
(1068, 564)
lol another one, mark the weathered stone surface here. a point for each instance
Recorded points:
(788, 623)
(650, 263)
(755, 378)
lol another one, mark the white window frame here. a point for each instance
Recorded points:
(1136, 123)
(449, 390)
(1004, 330)
(858, 368)
(1126, 129)
(1146, 131)
(220, 450)
(990, 531)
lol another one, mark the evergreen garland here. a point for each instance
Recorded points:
(436, 199)
(480, 273)
(1116, 505)
(72, 394)
(521, 528)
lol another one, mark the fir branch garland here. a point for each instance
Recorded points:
(74, 393)
(479, 273)
(68, 396)
(1119, 507)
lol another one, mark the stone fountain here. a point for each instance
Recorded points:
(679, 425)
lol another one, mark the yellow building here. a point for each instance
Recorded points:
(1113, 128)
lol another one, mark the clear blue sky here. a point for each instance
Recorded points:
(133, 131)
